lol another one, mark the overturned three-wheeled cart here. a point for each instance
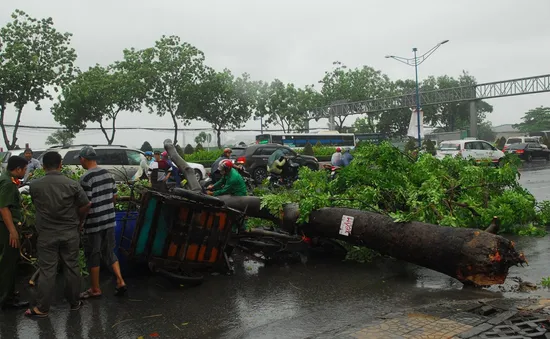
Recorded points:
(179, 235)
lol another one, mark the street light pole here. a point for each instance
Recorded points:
(417, 97)
(415, 62)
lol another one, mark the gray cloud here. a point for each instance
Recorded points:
(298, 40)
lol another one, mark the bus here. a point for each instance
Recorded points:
(299, 140)
(375, 138)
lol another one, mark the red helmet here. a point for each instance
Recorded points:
(164, 154)
(225, 165)
(338, 149)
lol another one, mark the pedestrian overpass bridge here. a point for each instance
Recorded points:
(490, 90)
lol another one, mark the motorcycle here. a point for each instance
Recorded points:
(285, 181)
(333, 170)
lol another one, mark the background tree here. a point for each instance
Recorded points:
(454, 116)
(308, 149)
(188, 149)
(61, 137)
(363, 125)
(286, 106)
(535, 120)
(485, 131)
(395, 123)
(501, 142)
(200, 138)
(34, 58)
(223, 101)
(99, 95)
(172, 70)
(350, 85)
(199, 147)
(146, 147)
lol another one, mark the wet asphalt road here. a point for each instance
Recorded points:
(288, 301)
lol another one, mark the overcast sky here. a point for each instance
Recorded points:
(297, 40)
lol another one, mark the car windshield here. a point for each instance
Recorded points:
(237, 152)
(512, 141)
(517, 146)
(449, 146)
(531, 140)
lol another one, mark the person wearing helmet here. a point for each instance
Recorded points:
(149, 157)
(231, 183)
(346, 157)
(214, 171)
(336, 159)
(160, 172)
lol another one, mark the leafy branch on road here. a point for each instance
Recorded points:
(451, 192)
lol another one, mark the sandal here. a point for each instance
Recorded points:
(121, 291)
(31, 313)
(77, 306)
(89, 294)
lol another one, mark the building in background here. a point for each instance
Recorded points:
(506, 131)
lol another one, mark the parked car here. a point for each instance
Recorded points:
(522, 140)
(529, 151)
(475, 149)
(254, 158)
(121, 161)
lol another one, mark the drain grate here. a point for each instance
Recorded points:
(520, 327)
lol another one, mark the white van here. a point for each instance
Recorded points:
(475, 149)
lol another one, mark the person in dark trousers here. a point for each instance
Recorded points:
(11, 216)
(99, 226)
(60, 204)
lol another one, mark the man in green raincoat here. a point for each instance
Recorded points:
(10, 218)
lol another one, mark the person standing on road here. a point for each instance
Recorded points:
(60, 205)
(10, 212)
(99, 226)
(32, 164)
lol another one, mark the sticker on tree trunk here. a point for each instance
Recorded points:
(346, 225)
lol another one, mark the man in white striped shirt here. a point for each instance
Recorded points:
(99, 224)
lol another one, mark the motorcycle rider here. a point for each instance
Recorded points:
(346, 157)
(277, 163)
(336, 159)
(231, 183)
(214, 171)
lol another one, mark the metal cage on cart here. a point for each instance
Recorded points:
(180, 234)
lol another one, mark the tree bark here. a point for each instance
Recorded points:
(2, 125)
(188, 172)
(218, 135)
(175, 120)
(472, 256)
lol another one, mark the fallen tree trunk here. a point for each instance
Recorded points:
(472, 256)
(188, 172)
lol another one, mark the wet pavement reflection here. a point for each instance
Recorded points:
(273, 301)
